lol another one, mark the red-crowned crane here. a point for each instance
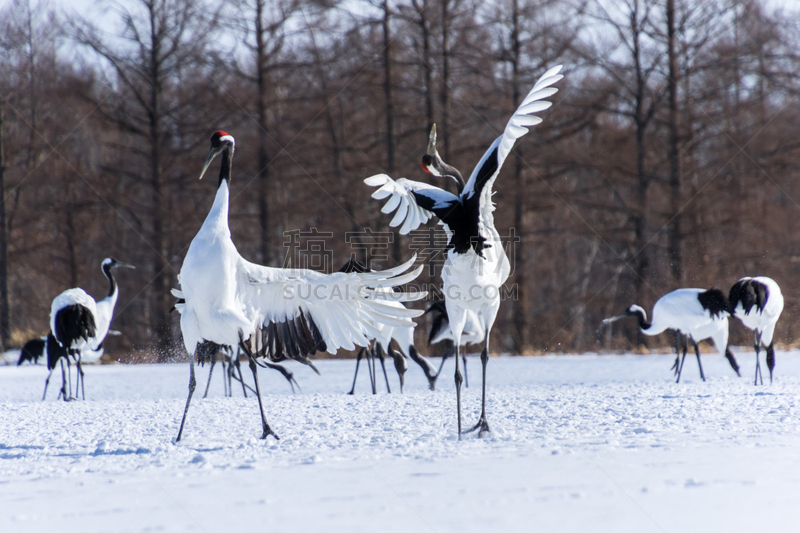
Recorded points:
(758, 303)
(275, 313)
(476, 265)
(694, 314)
(72, 327)
(79, 325)
(440, 332)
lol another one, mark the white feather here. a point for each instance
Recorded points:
(229, 298)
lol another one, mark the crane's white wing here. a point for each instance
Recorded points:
(516, 127)
(415, 202)
(299, 311)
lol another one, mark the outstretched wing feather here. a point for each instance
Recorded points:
(516, 127)
(415, 202)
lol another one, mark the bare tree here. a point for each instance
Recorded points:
(631, 62)
(674, 154)
(264, 27)
(159, 39)
(28, 37)
(5, 308)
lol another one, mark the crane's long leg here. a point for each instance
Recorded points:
(80, 376)
(227, 372)
(683, 359)
(47, 382)
(400, 365)
(285, 372)
(458, 379)
(444, 358)
(699, 364)
(466, 374)
(432, 381)
(245, 386)
(63, 379)
(355, 376)
(677, 353)
(241, 379)
(63, 392)
(77, 383)
(267, 431)
(210, 373)
(771, 359)
(226, 389)
(229, 376)
(425, 365)
(732, 360)
(483, 423)
(757, 343)
(379, 351)
(192, 384)
(69, 381)
(371, 367)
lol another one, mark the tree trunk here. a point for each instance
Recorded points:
(387, 87)
(640, 219)
(643, 180)
(71, 238)
(388, 97)
(521, 338)
(427, 68)
(5, 308)
(161, 262)
(444, 95)
(263, 156)
(674, 231)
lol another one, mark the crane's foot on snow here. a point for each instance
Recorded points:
(482, 426)
(267, 432)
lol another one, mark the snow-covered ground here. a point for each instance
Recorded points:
(580, 443)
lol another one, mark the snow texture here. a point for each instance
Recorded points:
(579, 443)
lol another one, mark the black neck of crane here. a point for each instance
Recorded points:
(112, 288)
(643, 323)
(225, 167)
(449, 171)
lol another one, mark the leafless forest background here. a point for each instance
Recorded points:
(670, 158)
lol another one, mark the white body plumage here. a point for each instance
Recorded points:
(473, 331)
(682, 311)
(765, 318)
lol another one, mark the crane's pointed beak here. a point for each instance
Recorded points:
(211, 155)
(124, 265)
(609, 320)
(432, 141)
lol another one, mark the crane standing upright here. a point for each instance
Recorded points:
(79, 326)
(476, 265)
(275, 313)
